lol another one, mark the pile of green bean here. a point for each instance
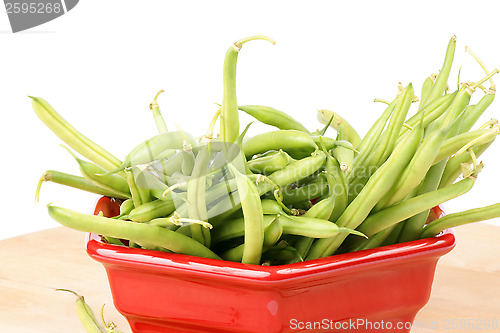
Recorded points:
(290, 194)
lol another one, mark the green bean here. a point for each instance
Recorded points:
(94, 173)
(188, 162)
(197, 208)
(160, 122)
(376, 187)
(273, 117)
(72, 137)
(236, 228)
(296, 144)
(253, 215)
(345, 156)
(152, 210)
(272, 233)
(138, 232)
(271, 207)
(126, 207)
(329, 142)
(274, 161)
(85, 314)
(426, 89)
(75, 182)
(439, 85)
(229, 121)
(134, 190)
(416, 169)
(312, 227)
(458, 219)
(337, 185)
(454, 144)
(408, 208)
(322, 209)
(324, 116)
(475, 111)
(453, 168)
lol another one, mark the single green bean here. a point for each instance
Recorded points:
(229, 120)
(273, 117)
(236, 228)
(312, 227)
(475, 111)
(408, 208)
(454, 144)
(292, 194)
(458, 219)
(160, 122)
(453, 168)
(269, 163)
(75, 182)
(152, 210)
(439, 85)
(139, 232)
(72, 137)
(296, 144)
(324, 116)
(254, 218)
(85, 314)
(126, 207)
(426, 89)
(345, 156)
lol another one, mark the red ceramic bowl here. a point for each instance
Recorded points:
(377, 290)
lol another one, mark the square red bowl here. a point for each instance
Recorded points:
(377, 290)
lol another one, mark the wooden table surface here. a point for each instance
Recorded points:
(466, 285)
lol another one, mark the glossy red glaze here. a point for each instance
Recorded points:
(164, 292)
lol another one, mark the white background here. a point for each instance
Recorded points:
(101, 64)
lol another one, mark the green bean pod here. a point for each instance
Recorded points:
(458, 219)
(229, 120)
(296, 144)
(475, 111)
(350, 133)
(126, 207)
(273, 117)
(376, 187)
(454, 144)
(312, 227)
(426, 89)
(271, 162)
(160, 122)
(236, 228)
(453, 167)
(345, 156)
(138, 232)
(337, 186)
(72, 137)
(254, 218)
(77, 182)
(152, 210)
(439, 85)
(410, 207)
(86, 315)
(197, 207)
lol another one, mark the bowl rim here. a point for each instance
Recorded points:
(116, 255)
